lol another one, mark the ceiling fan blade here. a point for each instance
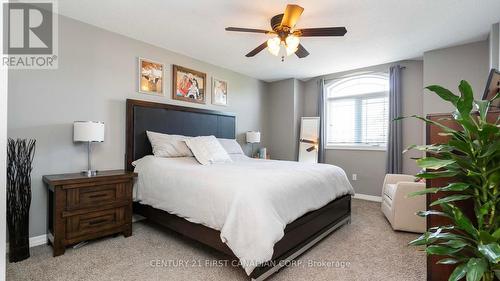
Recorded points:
(322, 31)
(241, 29)
(301, 52)
(257, 50)
(292, 15)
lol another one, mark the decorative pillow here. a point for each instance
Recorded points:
(207, 150)
(231, 146)
(168, 145)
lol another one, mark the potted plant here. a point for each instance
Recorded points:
(20, 154)
(472, 158)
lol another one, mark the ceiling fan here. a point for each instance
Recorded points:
(285, 34)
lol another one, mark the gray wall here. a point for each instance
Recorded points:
(281, 120)
(494, 41)
(370, 165)
(447, 67)
(284, 111)
(97, 72)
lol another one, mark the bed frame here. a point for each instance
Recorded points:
(300, 235)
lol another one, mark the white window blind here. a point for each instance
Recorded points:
(357, 111)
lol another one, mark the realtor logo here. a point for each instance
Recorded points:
(29, 35)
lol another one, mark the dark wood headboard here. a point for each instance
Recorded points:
(145, 116)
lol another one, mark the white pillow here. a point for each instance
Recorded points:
(168, 145)
(231, 146)
(207, 150)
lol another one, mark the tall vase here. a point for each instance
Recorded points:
(20, 153)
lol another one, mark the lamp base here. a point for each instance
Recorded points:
(90, 173)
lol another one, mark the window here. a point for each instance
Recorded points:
(357, 110)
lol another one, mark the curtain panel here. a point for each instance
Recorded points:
(394, 163)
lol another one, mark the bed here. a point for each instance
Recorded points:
(260, 186)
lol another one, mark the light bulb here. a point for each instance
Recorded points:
(292, 44)
(273, 45)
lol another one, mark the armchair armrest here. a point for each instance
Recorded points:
(403, 188)
(406, 207)
(395, 178)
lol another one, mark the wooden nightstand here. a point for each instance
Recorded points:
(82, 208)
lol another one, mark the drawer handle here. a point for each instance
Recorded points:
(97, 221)
(97, 195)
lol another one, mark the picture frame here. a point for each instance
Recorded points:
(151, 78)
(188, 85)
(492, 88)
(219, 92)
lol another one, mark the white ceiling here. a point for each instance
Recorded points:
(378, 31)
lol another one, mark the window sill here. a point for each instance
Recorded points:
(356, 147)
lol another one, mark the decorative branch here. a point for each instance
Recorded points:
(20, 154)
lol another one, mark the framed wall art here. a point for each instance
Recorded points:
(151, 77)
(188, 85)
(219, 92)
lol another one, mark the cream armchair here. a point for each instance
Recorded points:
(400, 209)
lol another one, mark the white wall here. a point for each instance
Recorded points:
(370, 165)
(3, 156)
(447, 67)
(97, 73)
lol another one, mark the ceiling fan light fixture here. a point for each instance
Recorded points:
(292, 44)
(274, 45)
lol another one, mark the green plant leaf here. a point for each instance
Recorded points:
(460, 145)
(485, 237)
(430, 148)
(461, 221)
(458, 273)
(482, 107)
(451, 198)
(496, 234)
(497, 274)
(441, 250)
(466, 100)
(490, 251)
(436, 175)
(456, 186)
(447, 261)
(433, 163)
(476, 267)
(456, 244)
(424, 191)
(444, 93)
(432, 212)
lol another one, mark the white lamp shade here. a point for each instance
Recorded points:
(88, 131)
(253, 137)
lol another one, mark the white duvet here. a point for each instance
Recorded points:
(249, 201)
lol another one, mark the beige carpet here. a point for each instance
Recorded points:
(367, 249)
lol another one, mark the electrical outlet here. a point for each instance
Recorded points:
(354, 177)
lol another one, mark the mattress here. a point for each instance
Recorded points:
(250, 201)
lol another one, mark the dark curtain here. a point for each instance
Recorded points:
(395, 137)
(322, 122)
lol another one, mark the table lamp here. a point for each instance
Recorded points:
(252, 137)
(89, 132)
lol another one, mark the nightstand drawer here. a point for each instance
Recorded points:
(94, 222)
(95, 196)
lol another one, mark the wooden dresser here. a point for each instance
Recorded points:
(441, 272)
(82, 208)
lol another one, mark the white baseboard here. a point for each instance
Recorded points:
(34, 241)
(368, 197)
(38, 240)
